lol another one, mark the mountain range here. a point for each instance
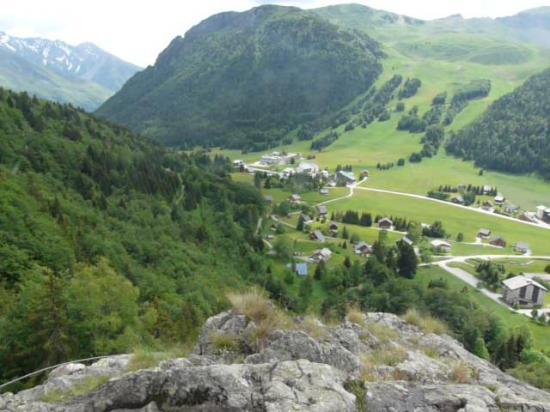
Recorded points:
(84, 75)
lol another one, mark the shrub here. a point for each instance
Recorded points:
(426, 323)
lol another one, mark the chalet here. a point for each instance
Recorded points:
(238, 163)
(522, 247)
(345, 178)
(333, 228)
(484, 234)
(499, 199)
(385, 223)
(441, 246)
(487, 189)
(364, 174)
(325, 174)
(323, 211)
(498, 241)
(323, 191)
(301, 269)
(322, 255)
(268, 199)
(295, 198)
(317, 235)
(362, 249)
(520, 290)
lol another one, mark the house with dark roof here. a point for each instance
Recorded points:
(362, 249)
(498, 241)
(385, 223)
(323, 211)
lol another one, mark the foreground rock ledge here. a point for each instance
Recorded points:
(309, 367)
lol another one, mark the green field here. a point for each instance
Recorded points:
(455, 220)
(541, 334)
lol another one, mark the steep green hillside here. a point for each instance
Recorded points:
(245, 80)
(514, 133)
(108, 241)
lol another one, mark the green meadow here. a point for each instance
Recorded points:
(455, 220)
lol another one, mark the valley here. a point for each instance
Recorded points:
(322, 163)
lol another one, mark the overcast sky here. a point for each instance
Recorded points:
(138, 30)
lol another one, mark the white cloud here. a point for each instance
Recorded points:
(139, 30)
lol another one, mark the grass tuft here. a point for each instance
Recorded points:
(356, 315)
(225, 343)
(145, 357)
(88, 385)
(462, 372)
(267, 317)
(426, 323)
(383, 333)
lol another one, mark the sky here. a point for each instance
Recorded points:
(138, 30)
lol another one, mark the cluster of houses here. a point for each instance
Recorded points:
(523, 291)
(498, 241)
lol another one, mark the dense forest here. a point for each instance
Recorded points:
(514, 133)
(108, 241)
(245, 80)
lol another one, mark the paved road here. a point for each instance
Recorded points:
(473, 209)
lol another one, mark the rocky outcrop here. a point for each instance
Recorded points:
(380, 364)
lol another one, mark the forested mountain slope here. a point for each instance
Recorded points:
(108, 241)
(514, 133)
(244, 80)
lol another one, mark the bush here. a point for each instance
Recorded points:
(547, 269)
